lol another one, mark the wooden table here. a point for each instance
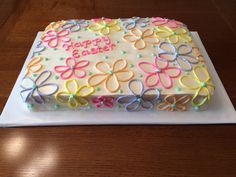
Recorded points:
(117, 150)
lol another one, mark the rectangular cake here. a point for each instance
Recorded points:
(130, 64)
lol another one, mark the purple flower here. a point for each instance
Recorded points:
(140, 99)
(36, 89)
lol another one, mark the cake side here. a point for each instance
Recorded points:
(131, 64)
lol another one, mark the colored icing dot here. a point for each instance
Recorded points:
(177, 54)
(61, 58)
(90, 73)
(30, 106)
(123, 52)
(196, 108)
(56, 77)
(98, 88)
(173, 105)
(105, 26)
(203, 65)
(34, 75)
(105, 57)
(139, 100)
(46, 59)
(117, 42)
(56, 106)
(139, 55)
(124, 32)
(141, 37)
(95, 34)
(110, 72)
(173, 64)
(153, 45)
(203, 84)
(85, 29)
(153, 54)
(55, 49)
(158, 89)
(38, 53)
(101, 102)
(158, 70)
(140, 75)
(34, 86)
(72, 96)
(72, 67)
(177, 89)
(131, 65)
(174, 33)
(186, 72)
(120, 91)
(78, 37)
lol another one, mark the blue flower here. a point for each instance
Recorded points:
(74, 25)
(130, 23)
(36, 89)
(139, 100)
(39, 48)
(182, 55)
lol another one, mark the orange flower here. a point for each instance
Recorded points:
(172, 103)
(111, 75)
(141, 38)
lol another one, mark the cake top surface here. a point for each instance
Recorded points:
(116, 57)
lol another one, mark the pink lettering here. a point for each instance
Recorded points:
(67, 46)
(75, 53)
(96, 41)
(85, 52)
(86, 43)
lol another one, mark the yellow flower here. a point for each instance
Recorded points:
(172, 103)
(111, 75)
(173, 35)
(141, 38)
(201, 82)
(34, 65)
(104, 27)
(74, 95)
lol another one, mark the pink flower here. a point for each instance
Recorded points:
(103, 101)
(158, 21)
(53, 37)
(72, 67)
(159, 72)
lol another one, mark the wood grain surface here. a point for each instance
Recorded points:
(128, 151)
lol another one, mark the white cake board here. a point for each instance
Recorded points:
(15, 113)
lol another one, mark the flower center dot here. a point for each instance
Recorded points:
(34, 86)
(158, 70)
(110, 72)
(173, 105)
(72, 67)
(203, 84)
(141, 37)
(174, 33)
(139, 100)
(72, 96)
